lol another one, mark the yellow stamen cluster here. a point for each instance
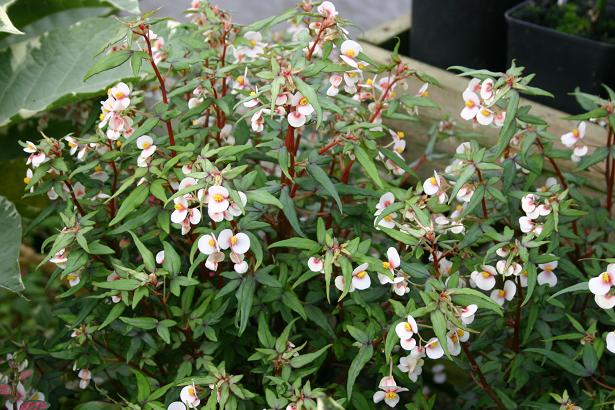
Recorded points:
(485, 112)
(485, 274)
(470, 104)
(361, 274)
(211, 242)
(401, 135)
(233, 240)
(27, 180)
(218, 197)
(605, 277)
(386, 265)
(433, 181)
(501, 293)
(350, 53)
(390, 395)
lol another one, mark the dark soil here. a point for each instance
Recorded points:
(576, 17)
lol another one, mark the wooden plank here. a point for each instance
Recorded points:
(388, 30)
(448, 97)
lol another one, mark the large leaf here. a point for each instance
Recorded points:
(10, 241)
(6, 25)
(37, 73)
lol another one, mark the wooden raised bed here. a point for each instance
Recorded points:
(448, 97)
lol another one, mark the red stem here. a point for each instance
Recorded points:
(482, 382)
(74, 198)
(483, 201)
(163, 88)
(311, 50)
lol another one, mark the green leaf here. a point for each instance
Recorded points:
(146, 254)
(309, 93)
(37, 73)
(131, 202)
(114, 313)
(6, 25)
(172, 261)
(467, 296)
(143, 389)
(438, 321)
(263, 197)
(463, 178)
(412, 101)
(288, 207)
(291, 301)
(368, 165)
(107, 62)
(245, 298)
(10, 243)
(562, 361)
(302, 360)
(360, 360)
(323, 179)
(298, 243)
(583, 286)
(147, 323)
(119, 284)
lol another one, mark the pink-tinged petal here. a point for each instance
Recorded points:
(510, 289)
(144, 141)
(378, 396)
(580, 150)
(610, 342)
(547, 278)
(332, 91)
(315, 264)
(241, 267)
(391, 400)
(241, 243)
(600, 286)
(177, 405)
(404, 330)
(483, 280)
(160, 257)
(178, 216)
(224, 239)
(605, 301)
(361, 281)
(484, 116)
(408, 344)
(496, 295)
(468, 113)
(393, 258)
(350, 61)
(610, 268)
(581, 129)
(195, 216)
(430, 186)
(296, 119)
(339, 283)
(433, 349)
(486, 89)
(569, 139)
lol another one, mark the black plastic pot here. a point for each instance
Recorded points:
(470, 33)
(560, 61)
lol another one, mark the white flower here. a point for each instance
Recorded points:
(412, 364)
(146, 144)
(571, 138)
(181, 210)
(546, 276)
(507, 270)
(433, 349)
(258, 119)
(217, 199)
(120, 93)
(360, 277)
(610, 342)
(471, 105)
(85, 375)
(188, 396)
(467, 314)
(388, 392)
(423, 90)
(60, 258)
(316, 264)
(177, 405)
(605, 301)
(335, 80)
(601, 284)
(239, 243)
(527, 225)
(405, 331)
(485, 116)
(502, 295)
(327, 9)
(485, 279)
(349, 50)
(385, 201)
(486, 89)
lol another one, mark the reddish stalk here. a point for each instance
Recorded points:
(311, 50)
(163, 88)
(383, 97)
(346, 172)
(611, 177)
(483, 201)
(74, 198)
(517, 334)
(481, 382)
